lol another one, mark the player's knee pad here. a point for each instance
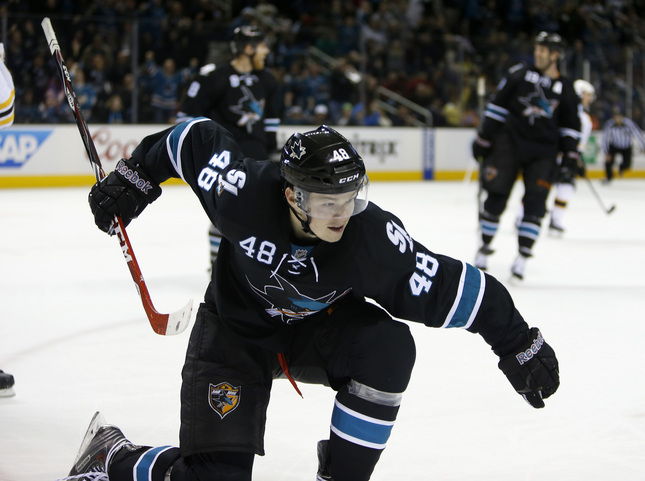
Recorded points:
(383, 356)
(495, 205)
(535, 207)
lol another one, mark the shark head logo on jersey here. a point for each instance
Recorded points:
(538, 105)
(286, 302)
(249, 109)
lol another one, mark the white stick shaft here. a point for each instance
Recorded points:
(52, 41)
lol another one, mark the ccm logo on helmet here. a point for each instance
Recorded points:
(348, 179)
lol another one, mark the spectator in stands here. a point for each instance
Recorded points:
(85, 93)
(320, 115)
(295, 115)
(403, 117)
(345, 115)
(115, 110)
(27, 111)
(421, 43)
(98, 76)
(163, 85)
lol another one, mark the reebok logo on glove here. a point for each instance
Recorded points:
(133, 177)
(527, 355)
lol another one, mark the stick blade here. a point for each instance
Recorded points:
(173, 323)
(611, 209)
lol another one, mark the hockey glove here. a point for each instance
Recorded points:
(571, 160)
(124, 193)
(531, 367)
(481, 148)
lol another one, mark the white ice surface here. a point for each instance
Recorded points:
(74, 335)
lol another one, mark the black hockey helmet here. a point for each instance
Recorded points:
(552, 41)
(323, 161)
(245, 35)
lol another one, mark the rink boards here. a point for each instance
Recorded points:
(54, 155)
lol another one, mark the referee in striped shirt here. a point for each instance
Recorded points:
(617, 136)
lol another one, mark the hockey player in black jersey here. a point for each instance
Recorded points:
(533, 117)
(303, 250)
(243, 96)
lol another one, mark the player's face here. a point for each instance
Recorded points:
(543, 57)
(587, 99)
(330, 214)
(261, 52)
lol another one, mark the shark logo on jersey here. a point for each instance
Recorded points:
(249, 109)
(297, 150)
(537, 105)
(289, 304)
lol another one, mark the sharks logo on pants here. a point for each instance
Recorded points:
(223, 398)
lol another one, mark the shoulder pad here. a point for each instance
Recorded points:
(206, 69)
(516, 67)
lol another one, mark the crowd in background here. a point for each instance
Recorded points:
(131, 60)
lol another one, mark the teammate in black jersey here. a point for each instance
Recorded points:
(244, 97)
(303, 250)
(533, 116)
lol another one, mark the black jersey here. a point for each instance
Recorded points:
(265, 281)
(246, 104)
(540, 113)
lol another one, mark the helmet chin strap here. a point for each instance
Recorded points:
(303, 223)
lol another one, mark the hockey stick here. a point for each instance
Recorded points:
(597, 196)
(164, 324)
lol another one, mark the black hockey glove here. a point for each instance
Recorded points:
(124, 192)
(531, 367)
(481, 148)
(571, 160)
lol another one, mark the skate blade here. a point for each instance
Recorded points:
(516, 280)
(97, 421)
(8, 392)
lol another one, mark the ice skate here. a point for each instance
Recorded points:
(323, 462)
(555, 229)
(518, 267)
(6, 384)
(481, 259)
(99, 445)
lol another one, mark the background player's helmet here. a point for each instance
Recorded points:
(583, 87)
(323, 161)
(552, 41)
(245, 35)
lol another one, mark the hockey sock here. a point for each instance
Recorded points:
(360, 429)
(563, 194)
(527, 234)
(489, 224)
(142, 463)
